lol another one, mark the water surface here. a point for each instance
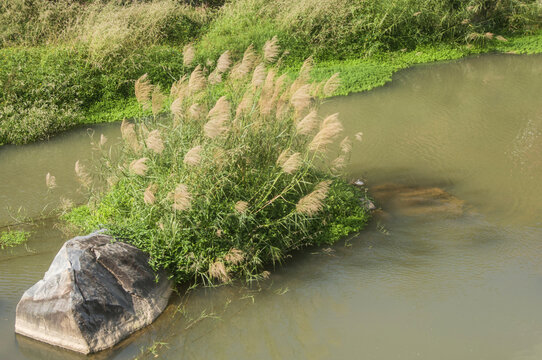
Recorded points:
(451, 268)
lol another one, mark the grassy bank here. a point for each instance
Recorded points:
(73, 62)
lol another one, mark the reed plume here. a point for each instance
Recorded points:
(267, 100)
(330, 128)
(82, 175)
(346, 145)
(215, 77)
(359, 136)
(305, 71)
(234, 256)
(143, 89)
(103, 139)
(339, 163)
(50, 181)
(244, 104)
(271, 50)
(258, 76)
(189, 54)
(292, 163)
(308, 124)
(176, 108)
(193, 156)
(224, 62)
(218, 116)
(148, 195)
(332, 84)
(129, 135)
(196, 82)
(312, 203)
(181, 198)
(196, 111)
(283, 157)
(242, 69)
(218, 271)
(65, 204)
(157, 101)
(178, 87)
(154, 142)
(241, 206)
(301, 98)
(138, 166)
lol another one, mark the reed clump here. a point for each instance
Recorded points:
(224, 193)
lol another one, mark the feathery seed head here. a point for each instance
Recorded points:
(245, 103)
(271, 50)
(65, 204)
(258, 77)
(332, 84)
(339, 163)
(196, 81)
(218, 271)
(148, 195)
(157, 101)
(82, 174)
(215, 77)
(308, 124)
(242, 69)
(50, 181)
(359, 136)
(143, 89)
(218, 116)
(241, 206)
(103, 139)
(129, 135)
(292, 163)
(189, 54)
(312, 203)
(346, 145)
(234, 256)
(193, 156)
(330, 128)
(154, 142)
(306, 68)
(196, 111)
(224, 62)
(138, 166)
(181, 198)
(177, 108)
(283, 157)
(301, 98)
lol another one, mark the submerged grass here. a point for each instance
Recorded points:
(226, 181)
(13, 238)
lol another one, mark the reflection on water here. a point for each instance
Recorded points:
(450, 268)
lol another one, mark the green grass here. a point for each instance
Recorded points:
(67, 63)
(13, 238)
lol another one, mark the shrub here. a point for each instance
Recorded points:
(233, 177)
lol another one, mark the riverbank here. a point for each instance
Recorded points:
(77, 62)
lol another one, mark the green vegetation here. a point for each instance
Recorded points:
(235, 176)
(13, 238)
(64, 63)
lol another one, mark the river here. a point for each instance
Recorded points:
(450, 267)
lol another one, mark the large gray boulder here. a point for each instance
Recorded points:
(96, 293)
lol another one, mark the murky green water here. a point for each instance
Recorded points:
(450, 269)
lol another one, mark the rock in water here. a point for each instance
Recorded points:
(95, 293)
